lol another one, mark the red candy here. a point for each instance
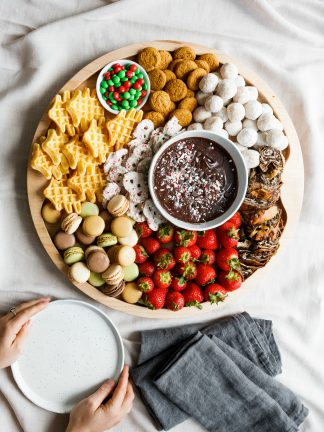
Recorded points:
(140, 81)
(143, 93)
(121, 89)
(109, 103)
(107, 75)
(111, 88)
(136, 85)
(116, 95)
(129, 74)
(132, 68)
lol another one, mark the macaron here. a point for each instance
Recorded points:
(107, 218)
(91, 249)
(131, 293)
(130, 240)
(93, 226)
(112, 253)
(106, 240)
(71, 223)
(84, 239)
(125, 256)
(121, 226)
(79, 273)
(113, 275)
(131, 272)
(118, 205)
(98, 261)
(113, 290)
(89, 209)
(95, 279)
(73, 255)
(63, 240)
(50, 214)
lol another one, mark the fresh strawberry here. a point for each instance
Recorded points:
(228, 235)
(162, 279)
(231, 280)
(178, 283)
(215, 293)
(154, 299)
(208, 256)
(174, 301)
(187, 270)
(151, 245)
(236, 220)
(145, 284)
(165, 233)
(147, 268)
(181, 254)
(140, 254)
(193, 295)
(207, 239)
(185, 238)
(227, 259)
(163, 259)
(195, 252)
(142, 229)
(205, 274)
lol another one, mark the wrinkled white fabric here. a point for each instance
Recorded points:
(45, 42)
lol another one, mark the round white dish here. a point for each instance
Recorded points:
(122, 63)
(242, 177)
(71, 350)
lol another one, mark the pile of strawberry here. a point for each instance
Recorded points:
(184, 268)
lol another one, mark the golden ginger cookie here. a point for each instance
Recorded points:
(211, 59)
(183, 68)
(169, 75)
(176, 89)
(149, 58)
(190, 93)
(203, 64)
(156, 117)
(166, 59)
(194, 78)
(185, 52)
(171, 108)
(184, 116)
(160, 101)
(157, 79)
(173, 64)
(188, 103)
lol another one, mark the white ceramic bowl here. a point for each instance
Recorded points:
(122, 63)
(242, 178)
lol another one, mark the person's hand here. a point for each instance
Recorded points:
(14, 329)
(94, 414)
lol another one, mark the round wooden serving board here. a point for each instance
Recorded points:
(291, 191)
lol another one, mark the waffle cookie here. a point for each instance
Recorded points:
(96, 140)
(84, 107)
(62, 196)
(59, 115)
(89, 185)
(78, 156)
(41, 162)
(120, 128)
(52, 146)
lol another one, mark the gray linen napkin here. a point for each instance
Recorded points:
(251, 338)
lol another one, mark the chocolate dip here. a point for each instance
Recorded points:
(195, 180)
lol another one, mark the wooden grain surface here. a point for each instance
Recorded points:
(291, 191)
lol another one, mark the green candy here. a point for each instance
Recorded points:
(106, 239)
(126, 95)
(133, 103)
(132, 91)
(89, 209)
(73, 254)
(125, 104)
(121, 74)
(131, 272)
(95, 279)
(110, 82)
(104, 97)
(114, 107)
(137, 95)
(124, 79)
(137, 71)
(117, 84)
(110, 69)
(102, 90)
(128, 65)
(132, 80)
(131, 98)
(140, 75)
(144, 86)
(115, 79)
(104, 84)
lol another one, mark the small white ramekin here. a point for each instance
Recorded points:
(242, 180)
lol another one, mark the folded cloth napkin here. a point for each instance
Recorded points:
(221, 375)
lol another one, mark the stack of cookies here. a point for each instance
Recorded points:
(174, 79)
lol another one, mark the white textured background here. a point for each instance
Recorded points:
(45, 42)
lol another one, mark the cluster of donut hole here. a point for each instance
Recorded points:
(174, 79)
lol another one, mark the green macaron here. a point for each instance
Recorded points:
(73, 255)
(131, 272)
(95, 279)
(106, 239)
(89, 209)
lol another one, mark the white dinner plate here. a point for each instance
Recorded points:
(71, 349)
